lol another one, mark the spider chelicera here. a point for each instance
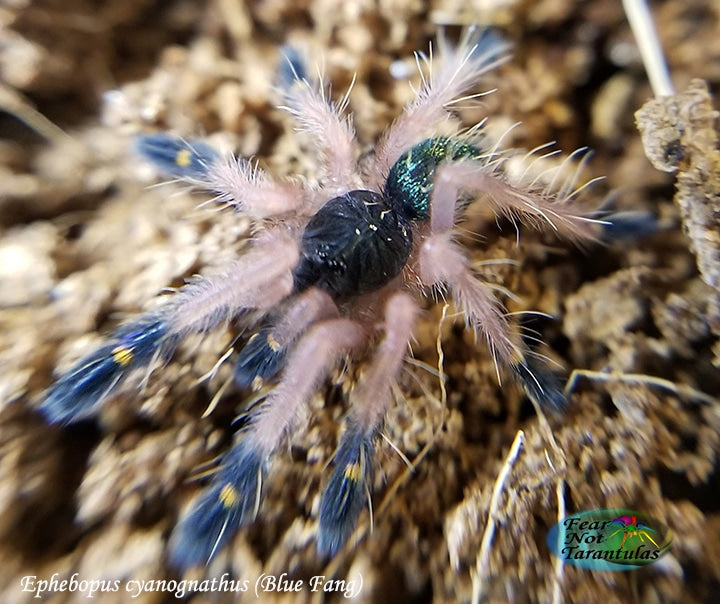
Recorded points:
(333, 263)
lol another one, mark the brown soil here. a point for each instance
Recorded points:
(86, 241)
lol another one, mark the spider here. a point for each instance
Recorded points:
(333, 265)
(631, 527)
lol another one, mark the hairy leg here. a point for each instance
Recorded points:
(453, 72)
(265, 353)
(345, 494)
(235, 181)
(332, 134)
(233, 497)
(472, 177)
(442, 264)
(258, 280)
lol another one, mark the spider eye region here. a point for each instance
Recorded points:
(410, 181)
(355, 244)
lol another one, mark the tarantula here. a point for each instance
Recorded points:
(332, 264)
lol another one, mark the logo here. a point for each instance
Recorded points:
(609, 540)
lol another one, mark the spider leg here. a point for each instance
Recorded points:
(345, 495)
(310, 360)
(473, 177)
(333, 134)
(264, 354)
(454, 71)
(442, 263)
(232, 500)
(261, 278)
(236, 181)
(79, 392)
(236, 488)
(187, 160)
(346, 492)
(629, 225)
(650, 538)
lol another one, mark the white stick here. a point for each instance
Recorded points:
(643, 29)
(483, 559)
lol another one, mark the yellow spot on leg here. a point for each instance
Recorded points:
(229, 496)
(273, 343)
(183, 158)
(122, 355)
(353, 472)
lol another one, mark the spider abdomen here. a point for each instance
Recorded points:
(355, 244)
(410, 181)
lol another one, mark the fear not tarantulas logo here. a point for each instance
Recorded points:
(614, 539)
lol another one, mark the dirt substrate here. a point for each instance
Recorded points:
(86, 241)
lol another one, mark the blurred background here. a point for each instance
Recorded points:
(87, 239)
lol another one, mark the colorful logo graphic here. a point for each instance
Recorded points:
(609, 540)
